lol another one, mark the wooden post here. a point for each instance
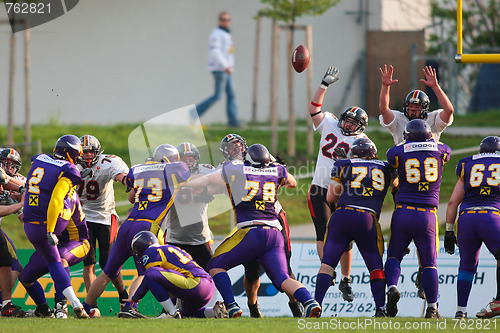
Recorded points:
(291, 106)
(310, 134)
(27, 123)
(10, 107)
(256, 70)
(274, 86)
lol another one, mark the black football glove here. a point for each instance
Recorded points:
(449, 242)
(280, 160)
(340, 152)
(205, 196)
(88, 172)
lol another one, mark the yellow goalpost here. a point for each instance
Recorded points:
(470, 58)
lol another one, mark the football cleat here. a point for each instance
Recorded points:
(312, 309)
(94, 313)
(12, 310)
(165, 315)
(460, 315)
(297, 309)
(130, 312)
(491, 310)
(44, 311)
(346, 289)
(234, 310)
(61, 310)
(220, 310)
(432, 313)
(393, 296)
(380, 313)
(255, 311)
(80, 312)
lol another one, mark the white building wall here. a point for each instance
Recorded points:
(127, 61)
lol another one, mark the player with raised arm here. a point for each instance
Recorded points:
(478, 193)
(337, 135)
(49, 182)
(419, 163)
(171, 272)
(358, 187)
(73, 247)
(415, 106)
(155, 186)
(252, 184)
(98, 202)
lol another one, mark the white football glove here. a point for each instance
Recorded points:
(330, 76)
(53, 240)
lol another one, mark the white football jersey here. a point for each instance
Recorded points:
(187, 220)
(96, 193)
(331, 137)
(398, 124)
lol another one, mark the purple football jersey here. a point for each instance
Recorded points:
(420, 167)
(174, 258)
(481, 176)
(364, 182)
(76, 230)
(156, 185)
(253, 190)
(42, 178)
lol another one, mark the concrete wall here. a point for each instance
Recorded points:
(127, 61)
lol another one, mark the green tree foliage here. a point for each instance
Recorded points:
(288, 10)
(480, 25)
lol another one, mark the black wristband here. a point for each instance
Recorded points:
(315, 114)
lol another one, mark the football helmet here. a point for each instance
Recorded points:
(142, 241)
(257, 155)
(417, 130)
(420, 98)
(226, 146)
(490, 144)
(358, 115)
(90, 143)
(363, 148)
(69, 148)
(189, 149)
(10, 161)
(166, 153)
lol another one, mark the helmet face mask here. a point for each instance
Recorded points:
(353, 121)
(10, 161)
(91, 151)
(490, 144)
(257, 156)
(414, 102)
(417, 130)
(69, 148)
(142, 241)
(233, 146)
(364, 148)
(166, 153)
(190, 155)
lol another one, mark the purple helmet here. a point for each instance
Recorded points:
(69, 148)
(490, 144)
(166, 154)
(417, 130)
(257, 155)
(142, 241)
(363, 148)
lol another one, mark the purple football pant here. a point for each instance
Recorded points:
(122, 248)
(195, 293)
(265, 244)
(73, 252)
(348, 224)
(420, 225)
(16, 265)
(474, 228)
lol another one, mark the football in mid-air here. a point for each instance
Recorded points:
(300, 58)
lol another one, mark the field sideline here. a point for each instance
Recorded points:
(250, 325)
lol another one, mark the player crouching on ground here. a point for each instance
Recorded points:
(170, 272)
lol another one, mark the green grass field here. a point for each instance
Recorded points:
(250, 325)
(114, 140)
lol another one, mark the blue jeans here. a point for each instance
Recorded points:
(231, 108)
